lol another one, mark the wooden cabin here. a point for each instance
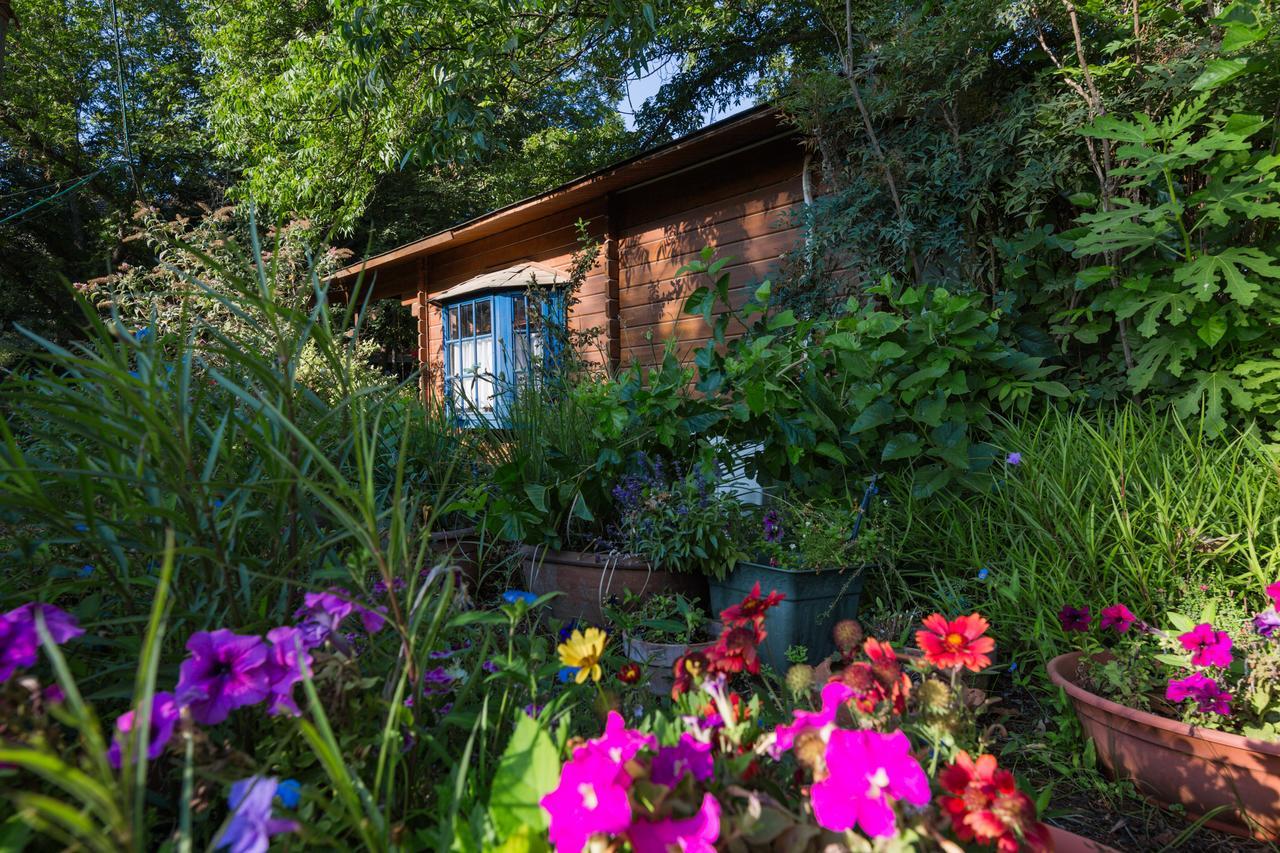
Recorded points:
(735, 185)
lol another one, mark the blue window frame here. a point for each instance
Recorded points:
(493, 343)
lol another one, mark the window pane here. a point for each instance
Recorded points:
(452, 323)
(484, 316)
(454, 365)
(465, 326)
(518, 317)
(468, 356)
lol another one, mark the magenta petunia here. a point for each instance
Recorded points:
(284, 668)
(20, 641)
(689, 756)
(1074, 618)
(697, 834)
(224, 671)
(1118, 618)
(1201, 688)
(618, 743)
(868, 771)
(1207, 646)
(591, 799)
(164, 716)
(1273, 591)
(822, 721)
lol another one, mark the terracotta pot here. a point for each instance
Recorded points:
(1172, 762)
(460, 547)
(589, 580)
(1069, 842)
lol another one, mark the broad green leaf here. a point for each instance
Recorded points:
(877, 414)
(537, 494)
(904, 445)
(1219, 71)
(528, 770)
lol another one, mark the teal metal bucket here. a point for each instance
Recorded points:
(814, 602)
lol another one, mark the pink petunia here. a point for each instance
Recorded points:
(1117, 617)
(224, 671)
(697, 834)
(618, 743)
(164, 716)
(868, 771)
(1207, 646)
(1274, 592)
(834, 695)
(591, 799)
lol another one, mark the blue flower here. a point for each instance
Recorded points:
(290, 793)
(1014, 458)
(86, 570)
(511, 596)
(567, 630)
(1013, 667)
(82, 528)
(251, 825)
(982, 573)
(566, 674)
(142, 334)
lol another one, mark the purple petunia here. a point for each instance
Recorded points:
(225, 671)
(251, 825)
(285, 667)
(164, 716)
(20, 641)
(689, 756)
(438, 680)
(772, 527)
(1014, 458)
(1074, 618)
(1267, 623)
(323, 612)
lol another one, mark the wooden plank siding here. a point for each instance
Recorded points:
(650, 222)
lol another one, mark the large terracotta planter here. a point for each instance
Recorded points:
(460, 548)
(1172, 762)
(590, 580)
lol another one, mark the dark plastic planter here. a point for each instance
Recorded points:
(813, 603)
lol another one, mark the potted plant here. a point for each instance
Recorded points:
(1191, 714)
(812, 552)
(656, 630)
(579, 479)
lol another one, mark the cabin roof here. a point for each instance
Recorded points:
(734, 133)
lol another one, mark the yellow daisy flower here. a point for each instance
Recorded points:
(584, 650)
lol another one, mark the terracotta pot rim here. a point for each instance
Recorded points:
(1062, 664)
(585, 559)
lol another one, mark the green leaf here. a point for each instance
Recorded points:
(537, 494)
(930, 479)
(528, 770)
(904, 445)
(1219, 71)
(877, 414)
(1212, 329)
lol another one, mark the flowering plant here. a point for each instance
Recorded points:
(661, 618)
(1221, 669)
(676, 520)
(797, 534)
(868, 755)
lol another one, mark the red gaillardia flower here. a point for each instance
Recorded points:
(687, 672)
(629, 673)
(735, 651)
(959, 642)
(750, 609)
(987, 806)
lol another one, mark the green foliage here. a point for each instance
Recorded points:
(1130, 505)
(909, 378)
(814, 534)
(660, 618)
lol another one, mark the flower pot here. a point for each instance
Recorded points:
(589, 580)
(460, 549)
(814, 602)
(1172, 762)
(659, 659)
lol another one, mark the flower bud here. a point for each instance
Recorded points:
(799, 678)
(847, 634)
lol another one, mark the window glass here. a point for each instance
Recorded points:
(465, 326)
(484, 317)
(453, 323)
